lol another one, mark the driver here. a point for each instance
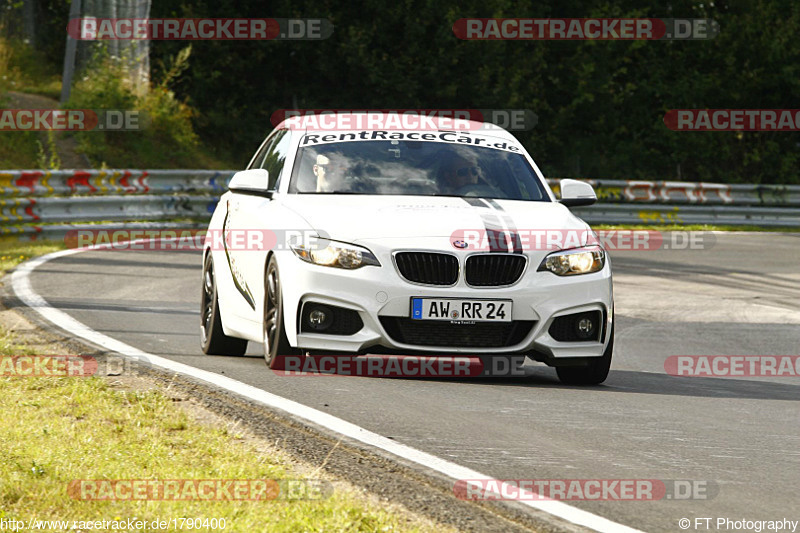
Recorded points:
(329, 174)
(456, 173)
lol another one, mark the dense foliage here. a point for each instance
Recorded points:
(600, 104)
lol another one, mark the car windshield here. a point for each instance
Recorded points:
(419, 168)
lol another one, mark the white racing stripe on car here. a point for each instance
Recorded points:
(497, 225)
(503, 226)
(506, 219)
(21, 284)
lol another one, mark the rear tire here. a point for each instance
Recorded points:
(276, 343)
(213, 340)
(594, 373)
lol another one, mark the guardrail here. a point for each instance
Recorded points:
(38, 183)
(41, 203)
(678, 202)
(681, 192)
(689, 214)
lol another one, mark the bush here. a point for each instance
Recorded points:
(166, 138)
(24, 69)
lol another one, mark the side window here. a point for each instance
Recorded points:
(258, 159)
(276, 156)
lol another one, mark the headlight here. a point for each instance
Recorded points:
(336, 254)
(572, 262)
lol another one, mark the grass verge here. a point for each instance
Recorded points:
(58, 429)
(14, 252)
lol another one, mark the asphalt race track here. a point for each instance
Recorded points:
(741, 436)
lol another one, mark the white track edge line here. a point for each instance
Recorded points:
(21, 283)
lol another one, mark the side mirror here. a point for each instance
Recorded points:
(576, 193)
(253, 181)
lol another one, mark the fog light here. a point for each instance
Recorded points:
(318, 317)
(585, 328)
(577, 327)
(329, 320)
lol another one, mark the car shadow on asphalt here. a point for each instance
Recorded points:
(635, 382)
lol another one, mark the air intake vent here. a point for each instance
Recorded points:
(492, 270)
(428, 268)
(441, 333)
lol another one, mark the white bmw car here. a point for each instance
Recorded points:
(406, 242)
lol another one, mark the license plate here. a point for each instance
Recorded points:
(461, 310)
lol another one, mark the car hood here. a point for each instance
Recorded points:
(354, 218)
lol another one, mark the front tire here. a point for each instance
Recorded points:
(276, 343)
(213, 340)
(594, 373)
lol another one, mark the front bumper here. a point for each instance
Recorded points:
(377, 293)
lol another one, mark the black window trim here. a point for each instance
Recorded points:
(278, 135)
